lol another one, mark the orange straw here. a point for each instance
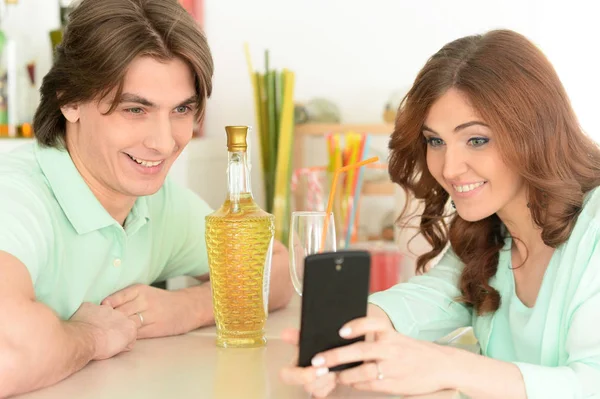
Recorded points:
(332, 192)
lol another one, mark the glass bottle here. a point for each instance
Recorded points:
(239, 240)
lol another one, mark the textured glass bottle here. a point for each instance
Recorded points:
(239, 239)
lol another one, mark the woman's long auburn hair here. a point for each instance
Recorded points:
(515, 90)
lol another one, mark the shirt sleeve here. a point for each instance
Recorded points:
(187, 213)
(426, 306)
(25, 225)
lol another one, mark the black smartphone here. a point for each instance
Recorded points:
(335, 291)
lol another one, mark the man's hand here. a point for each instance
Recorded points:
(112, 332)
(281, 290)
(160, 313)
(155, 312)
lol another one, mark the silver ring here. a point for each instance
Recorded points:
(379, 373)
(141, 317)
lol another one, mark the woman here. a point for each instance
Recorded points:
(488, 126)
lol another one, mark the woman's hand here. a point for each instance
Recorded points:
(318, 381)
(393, 363)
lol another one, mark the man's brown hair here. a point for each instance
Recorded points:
(100, 41)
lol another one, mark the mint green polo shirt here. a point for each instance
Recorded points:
(74, 250)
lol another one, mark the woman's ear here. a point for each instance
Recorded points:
(70, 112)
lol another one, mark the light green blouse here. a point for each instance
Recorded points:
(555, 344)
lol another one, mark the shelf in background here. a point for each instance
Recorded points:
(383, 188)
(369, 188)
(319, 129)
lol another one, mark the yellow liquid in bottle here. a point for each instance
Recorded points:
(239, 239)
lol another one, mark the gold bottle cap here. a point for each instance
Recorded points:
(236, 138)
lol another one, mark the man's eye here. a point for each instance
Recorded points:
(183, 109)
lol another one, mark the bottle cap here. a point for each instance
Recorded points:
(236, 138)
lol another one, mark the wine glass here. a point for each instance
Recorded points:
(306, 234)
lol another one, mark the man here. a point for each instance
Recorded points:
(87, 219)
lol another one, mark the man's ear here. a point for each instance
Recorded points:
(71, 112)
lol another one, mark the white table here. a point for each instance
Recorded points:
(192, 367)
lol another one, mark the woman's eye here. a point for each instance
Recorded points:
(434, 141)
(478, 141)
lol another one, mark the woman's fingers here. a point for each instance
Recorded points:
(302, 375)
(360, 351)
(323, 386)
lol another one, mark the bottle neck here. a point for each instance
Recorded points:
(238, 176)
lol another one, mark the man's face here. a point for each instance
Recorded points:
(130, 151)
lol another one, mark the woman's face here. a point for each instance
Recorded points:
(464, 158)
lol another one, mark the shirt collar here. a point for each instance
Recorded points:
(138, 216)
(76, 199)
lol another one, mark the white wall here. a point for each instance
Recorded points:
(354, 53)
(568, 33)
(357, 52)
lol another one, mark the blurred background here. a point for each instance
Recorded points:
(352, 61)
